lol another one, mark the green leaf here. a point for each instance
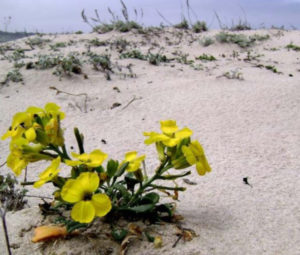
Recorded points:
(122, 189)
(75, 225)
(122, 169)
(99, 169)
(58, 181)
(74, 172)
(142, 208)
(149, 237)
(119, 234)
(151, 198)
(168, 208)
(112, 167)
(131, 181)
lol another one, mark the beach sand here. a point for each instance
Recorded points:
(247, 122)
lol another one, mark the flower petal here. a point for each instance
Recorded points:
(16, 164)
(135, 164)
(168, 126)
(102, 204)
(155, 137)
(200, 168)
(72, 192)
(183, 133)
(83, 212)
(44, 233)
(50, 172)
(196, 148)
(73, 162)
(187, 152)
(171, 142)
(130, 155)
(88, 181)
(96, 158)
(30, 134)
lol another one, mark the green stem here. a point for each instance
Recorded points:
(161, 169)
(48, 154)
(56, 149)
(66, 156)
(79, 140)
(173, 177)
(27, 183)
(168, 188)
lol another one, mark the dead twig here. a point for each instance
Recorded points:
(131, 101)
(2, 215)
(3, 164)
(70, 94)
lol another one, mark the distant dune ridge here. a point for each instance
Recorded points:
(8, 36)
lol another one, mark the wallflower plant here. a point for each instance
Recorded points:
(94, 188)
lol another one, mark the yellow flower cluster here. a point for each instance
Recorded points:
(30, 132)
(177, 145)
(91, 190)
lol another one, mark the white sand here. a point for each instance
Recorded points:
(249, 128)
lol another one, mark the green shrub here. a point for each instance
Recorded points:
(206, 57)
(182, 25)
(44, 62)
(292, 46)
(241, 40)
(57, 45)
(241, 26)
(134, 54)
(97, 43)
(36, 41)
(103, 28)
(68, 65)
(121, 26)
(199, 26)
(207, 41)
(100, 62)
(14, 76)
(156, 59)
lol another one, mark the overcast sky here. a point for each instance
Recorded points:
(64, 15)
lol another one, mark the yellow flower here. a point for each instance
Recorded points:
(87, 205)
(52, 110)
(16, 164)
(134, 161)
(168, 127)
(194, 155)
(170, 137)
(54, 132)
(24, 124)
(94, 159)
(21, 153)
(50, 172)
(49, 123)
(21, 121)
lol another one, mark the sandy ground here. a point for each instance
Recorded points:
(249, 127)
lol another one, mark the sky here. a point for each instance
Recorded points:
(60, 16)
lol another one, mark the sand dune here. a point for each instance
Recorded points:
(243, 108)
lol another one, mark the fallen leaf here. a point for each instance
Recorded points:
(44, 233)
(134, 229)
(125, 243)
